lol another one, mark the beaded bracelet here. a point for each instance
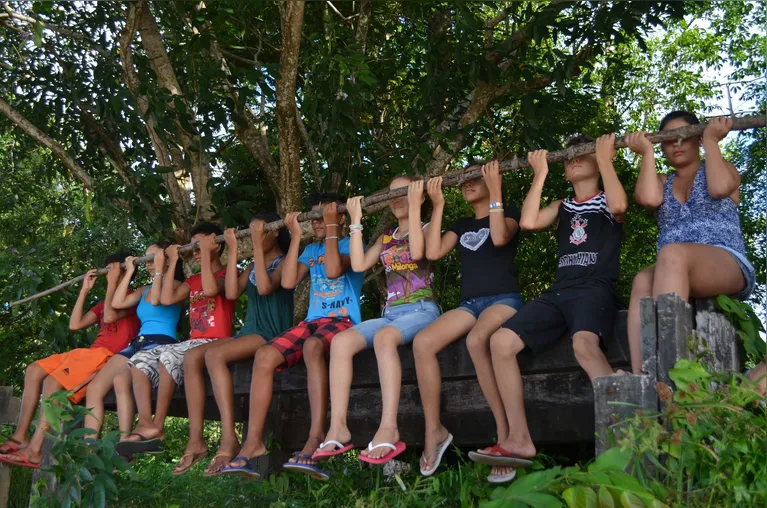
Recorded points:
(355, 227)
(355, 232)
(496, 210)
(331, 238)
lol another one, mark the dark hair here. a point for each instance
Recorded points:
(208, 228)
(426, 206)
(578, 139)
(178, 274)
(684, 115)
(118, 257)
(283, 237)
(318, 198)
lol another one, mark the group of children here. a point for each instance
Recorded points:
(701, 253)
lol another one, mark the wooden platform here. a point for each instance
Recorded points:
(559, 398)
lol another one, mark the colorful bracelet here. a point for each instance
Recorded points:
(355, 227)
(355, 232)
(496, 204)
(496, 210)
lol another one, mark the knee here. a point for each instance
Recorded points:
(642, 284)
(387, 339)
(267, 358)
(194, 359)
(341, 346)
(672, 256)
(214, 358)
(505, 344)
(586, 345)
(476, 342)
(313, 349)
(123, 381)
(34, 371)
(50, 385)
(422, 346)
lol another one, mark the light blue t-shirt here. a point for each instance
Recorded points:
(332, 297)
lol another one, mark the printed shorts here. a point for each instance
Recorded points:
(475, 306)
(407, 318)
(170, 356)
(291, 343)
(75, 369)
(588, 307)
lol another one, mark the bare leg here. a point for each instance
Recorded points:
(34, 449)
(267, 360)
(317, 386)
(142, 391)
(126, 410)
(30, 397)
(448, 328)
(589, 356)
(478, 344)
(342, 350)
(640, 288)
(217, 359)
(759, 375)
(697, 270)
(165, 392)
(386, 342)
(194, 387)
(505, 345)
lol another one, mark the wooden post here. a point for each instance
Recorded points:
(675, 326)
(717, 338)
(9, 415)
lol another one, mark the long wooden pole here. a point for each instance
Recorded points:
(449, 180)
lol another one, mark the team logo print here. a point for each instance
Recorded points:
(578, 236)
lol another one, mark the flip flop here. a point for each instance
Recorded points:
(196, 457)
(144, 445)
(12, 448)
(310, 469)
(499, 456)
(216, 473)
(21, 461)
(440, 451)
(396, 449)
(245, 470)
(502, 478)
(340, 448)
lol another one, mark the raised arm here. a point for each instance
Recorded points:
(234, 282)
(112, 315)
(78, 321)
(617, 202)
(155, 291)
(722, 179)
(502, 228)
(532, 217)
(648, 192)
(336, 264)
(211, 286)
(265, 284)
(293, 271)
(172, 293)
(361, 259)
(437, 245)
(416, 241)
(121, 299)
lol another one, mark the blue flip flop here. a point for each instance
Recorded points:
(313, 471)
(245, 470)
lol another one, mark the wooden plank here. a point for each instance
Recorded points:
(718, 339)
(649, 326)
(675, 321)
(617, 398)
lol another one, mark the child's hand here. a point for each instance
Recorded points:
(291, 220)
(639, 143)
(257, 232)
(159, 260)
(434, 189)
(172, 253)
(113, 275)
(606, 147)
(230, 237)
(493, 180)
(208, 243)
(330, 213)
(717, 129)
(90, 280)
(415, 193)
(354, 208)
(538, 162)
(129, 266)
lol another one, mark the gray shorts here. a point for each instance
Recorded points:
(170, 356)
(749, 273)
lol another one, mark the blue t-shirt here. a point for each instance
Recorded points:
(332, 297)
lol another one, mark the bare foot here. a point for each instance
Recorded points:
(384, 435)
(13, 443)
(523, 450)
(144, 431)
(311, 445)
(224, 455)
(621, 372)
(501, 470)
(33, 456)
(432, 441)
(342, 435)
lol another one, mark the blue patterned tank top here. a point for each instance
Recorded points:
(702, 219)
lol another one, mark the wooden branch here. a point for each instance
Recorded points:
(310, 150)
(339, 12)
(377, 200)
(31, 130)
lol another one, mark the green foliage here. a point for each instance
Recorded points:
(747, 325)
(84, 468)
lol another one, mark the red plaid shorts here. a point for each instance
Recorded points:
(291, 343)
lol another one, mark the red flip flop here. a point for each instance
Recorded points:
(340, 448)
(12, 448)
(24, 462)
(396, 449)
(499, 456)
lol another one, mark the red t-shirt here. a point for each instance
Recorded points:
(115, 336)
(210, 318)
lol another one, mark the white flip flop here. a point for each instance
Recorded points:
(440, 451)
(502, 478)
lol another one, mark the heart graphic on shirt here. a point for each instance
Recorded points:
(473, 240)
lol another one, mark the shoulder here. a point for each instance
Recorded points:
(461, 224)
(193, 280)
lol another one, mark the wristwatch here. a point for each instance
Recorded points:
(496, 204)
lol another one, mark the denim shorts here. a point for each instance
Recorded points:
(475, 306)
(408, 318)
(748, 272)
(145, 343)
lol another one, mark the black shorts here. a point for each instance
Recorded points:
(588, 307)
